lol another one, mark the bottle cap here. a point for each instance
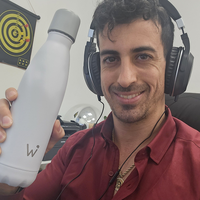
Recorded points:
(66, 22)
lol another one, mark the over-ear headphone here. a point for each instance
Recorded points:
(177, 72)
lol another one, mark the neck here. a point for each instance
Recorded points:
(132, 134)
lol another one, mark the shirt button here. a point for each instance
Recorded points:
(111, 173)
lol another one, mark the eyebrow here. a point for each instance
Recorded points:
(143, 48)
(136, 50)
(106, 52)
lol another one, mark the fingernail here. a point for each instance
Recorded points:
(11, 94)
(2, 136)
(6, 121)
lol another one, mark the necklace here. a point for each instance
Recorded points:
(120, 179)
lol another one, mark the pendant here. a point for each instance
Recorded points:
(119, 182)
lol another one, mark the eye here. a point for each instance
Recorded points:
(144, 56)
(110, 60)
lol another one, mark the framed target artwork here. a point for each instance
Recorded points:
(17, 27)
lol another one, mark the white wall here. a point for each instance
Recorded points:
(77, 91)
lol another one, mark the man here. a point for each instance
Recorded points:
(140, 151)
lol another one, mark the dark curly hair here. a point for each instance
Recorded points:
(116, 12)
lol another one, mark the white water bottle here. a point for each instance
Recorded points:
(40, 95)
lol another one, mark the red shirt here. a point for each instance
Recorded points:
(166, 169)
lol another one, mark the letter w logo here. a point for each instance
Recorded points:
(31, 151)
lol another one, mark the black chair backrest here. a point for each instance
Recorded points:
(187, 108)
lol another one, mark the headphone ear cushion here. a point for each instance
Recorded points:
(171, 68)
(94, 71)
(87, 75)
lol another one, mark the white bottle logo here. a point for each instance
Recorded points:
(31, 151)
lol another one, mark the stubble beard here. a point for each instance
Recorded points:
(129, 114)
(135, 113)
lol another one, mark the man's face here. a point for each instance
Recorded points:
(133, 70)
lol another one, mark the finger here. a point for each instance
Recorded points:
(58, 131)
(2, 135)
(57, 134)
(5, 114)
(11, 94)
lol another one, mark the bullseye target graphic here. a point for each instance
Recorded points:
(16, 34)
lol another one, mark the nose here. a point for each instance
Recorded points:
(127, 73)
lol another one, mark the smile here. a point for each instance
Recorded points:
(129, 96)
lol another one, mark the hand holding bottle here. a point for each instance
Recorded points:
(6, 122)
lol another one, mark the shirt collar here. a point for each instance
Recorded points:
(107, 128)
(159, 145)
